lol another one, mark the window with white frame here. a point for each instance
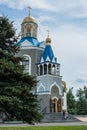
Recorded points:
(27, 63)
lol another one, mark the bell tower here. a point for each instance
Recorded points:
(48, 63)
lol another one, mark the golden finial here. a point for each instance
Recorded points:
(29, 8)
(48, 40)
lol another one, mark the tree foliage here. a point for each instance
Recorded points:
(77, 105)
(71, 103)
(82, 101)
(16, 99)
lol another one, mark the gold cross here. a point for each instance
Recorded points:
(29, 10)
(48, 32)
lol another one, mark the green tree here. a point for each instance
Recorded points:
(71, 103)
(82, 100)
(85, 96)
(16, 99)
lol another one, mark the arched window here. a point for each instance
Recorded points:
(53, 69)
(27, 63)
(49, 69)
(55, 91)
(45, 69)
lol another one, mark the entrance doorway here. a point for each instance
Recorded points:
(55, 105)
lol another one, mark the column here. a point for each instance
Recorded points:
(38, 69)
(47, 67)
(56, 70)
(51, 68)
(64, 107)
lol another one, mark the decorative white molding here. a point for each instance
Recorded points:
(43, 93)
(40, 86)
(26, 43)
(24, 47)
(54, 98)
(47, 59)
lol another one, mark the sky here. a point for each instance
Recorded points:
(67, 22)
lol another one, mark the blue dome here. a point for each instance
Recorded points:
(48, 52)
(33, 41)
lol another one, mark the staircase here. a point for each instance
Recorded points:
(58, 117)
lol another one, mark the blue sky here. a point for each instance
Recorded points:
(67, 22)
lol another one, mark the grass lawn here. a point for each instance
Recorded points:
(45, 128)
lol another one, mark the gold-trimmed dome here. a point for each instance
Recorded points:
(29, 19)
(48, 40)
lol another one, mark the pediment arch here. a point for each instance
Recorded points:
(41, 88)
(55, 88)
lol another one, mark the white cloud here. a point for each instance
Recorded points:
(17, 4)
(45, 18)
(73, 8)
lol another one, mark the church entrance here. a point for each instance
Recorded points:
(55, 105)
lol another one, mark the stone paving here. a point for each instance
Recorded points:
(84, 119)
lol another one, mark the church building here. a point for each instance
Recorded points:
(40, 60)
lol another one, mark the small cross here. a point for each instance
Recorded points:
(48, 32)
(29, 10)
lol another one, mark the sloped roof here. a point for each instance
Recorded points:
(33, 41)
(48, 52)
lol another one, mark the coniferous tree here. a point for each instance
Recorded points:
(16, 99)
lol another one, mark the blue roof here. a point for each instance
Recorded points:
(48, 52)
(33, 41)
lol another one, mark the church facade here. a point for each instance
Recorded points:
(39, 60)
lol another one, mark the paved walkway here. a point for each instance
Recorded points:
(84, 119)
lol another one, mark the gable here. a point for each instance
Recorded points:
(26, 43)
